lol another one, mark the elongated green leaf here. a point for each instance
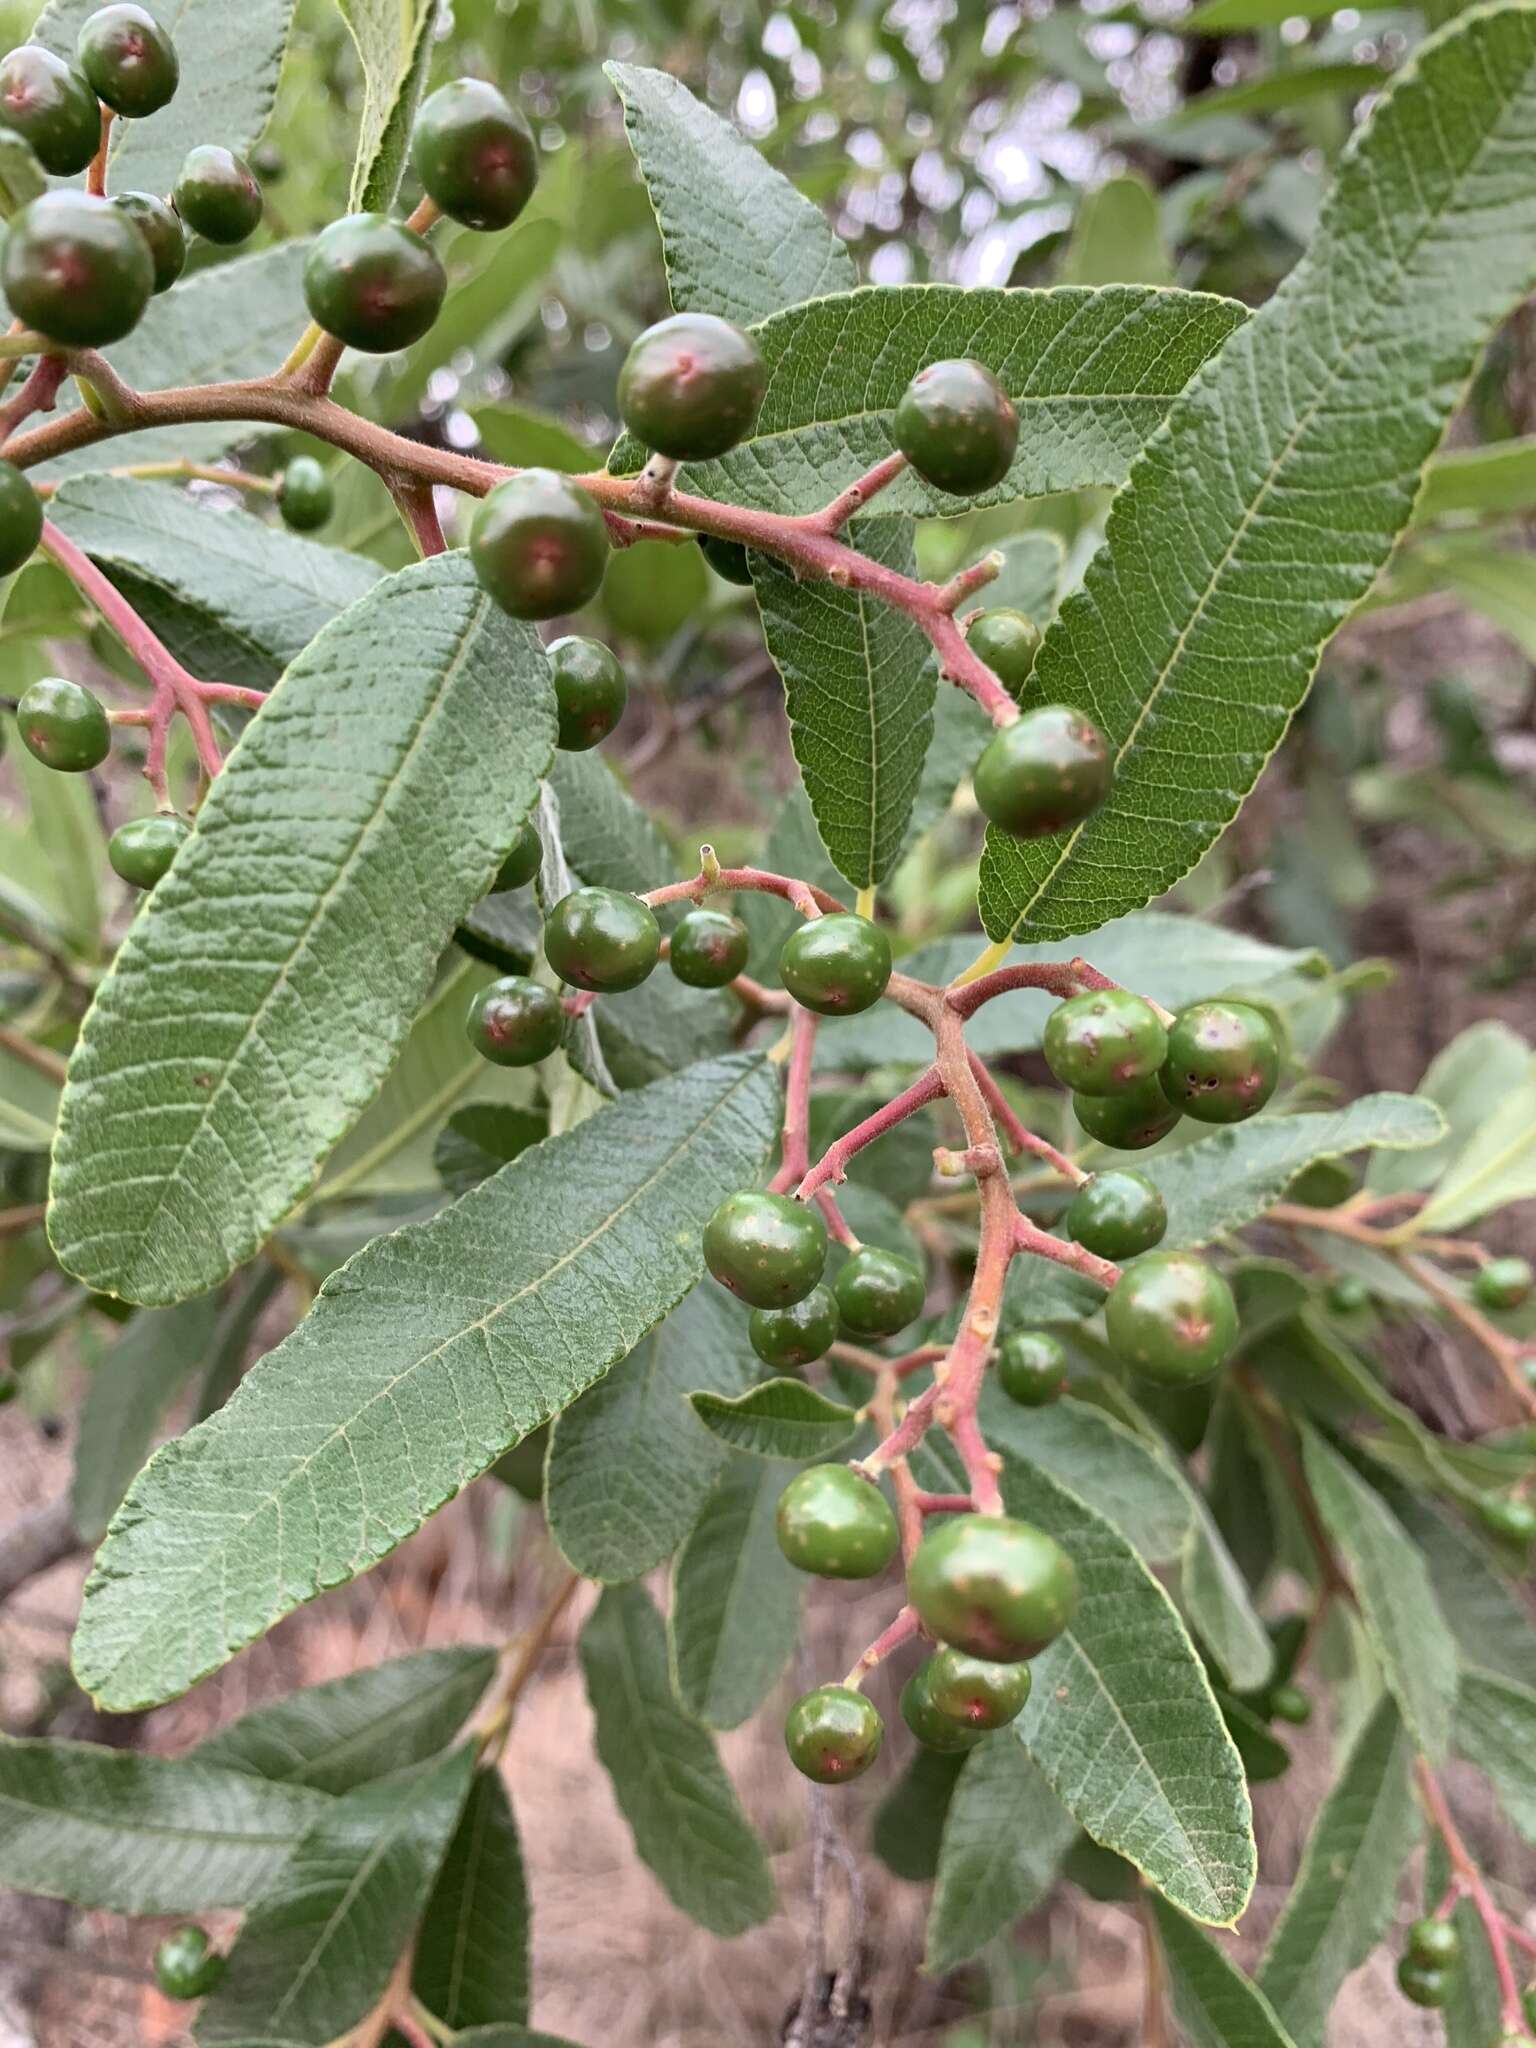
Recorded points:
(1466, 1080)
(779, 1419)
(233, 597)
(629, 1466)
(316, 1953)
(1217, 2006)
(476, 1141)
(1496, 1730)
(425, 1358)
(225, 1054)
(735, 1599)
(1272, 91)
(340, 1735)
(129, 1393)
(1496, 1165)
(1498, 478)
(1004, 1837)
(688, 1828)
(1215, 1597)
(1397, 1601)
(1345, 1892)
(472, 1964)
(66, 825)
(1117, 237)
(394, 43)
(1485, 1611)
(909, 1822)
(141, 1834)
(1120, 1475)
(1263, 510)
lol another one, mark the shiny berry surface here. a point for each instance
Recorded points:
(788, 1338)
(933, 1729)
(129, 61)
(1047, 770)
(768, 1249)
(1007, 641)
(141, 850)
(49, 104)
(602, 939)
(1223, 1062)
(836, 965)
(522, 863)
(63, 725)
(1172, 1318)
(1101, 1042)
(976, 1692)
(372, 282)
(77, 269)
(590, 691)
(161, 227)
(992, 1585)
(1502, 1283)
(708, 948)
(305, 499)
(837, 1524)
(515, 1022)
(691, 386)
(833, 1734)
(957, 427)
(539, 545)
(21, 518)
(878, 1292)
(186, 1964)
(1032, 1368)
(473, 152)
(1130, 1121)
(1422, 1983)
(218, 195)
(1436, 1942)
(1117, 1214)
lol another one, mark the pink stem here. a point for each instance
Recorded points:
(836, 1222)
(805, 898)
(834, 516)
(1015, 1130)
(1056, 978)
(945, 1503)
(418, 508)
(833, 1165)
(37, 394)
(900, 1631)
(907, 1434)
(1028, 1237)
(952, 595)
(795, 1145)
(1471, 1878)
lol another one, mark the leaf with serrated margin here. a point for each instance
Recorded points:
(1345, 1893)
(317, 1951)
(629, 1465)
(1261, 512)
(472, 1965)
(141, 1834)
(1122, 1721)
(1217, 2006)
(476, 1141)
(1116, 1472)
(263, 991)
(394, 43)
(1496, 1730)
(779, 1419)
(337, 1736)
(735, 1599)
(1215, 1597)
(1397, 1602)
(687, 1826)
(424, 1358)
(1004, 1837)
(128, 1395)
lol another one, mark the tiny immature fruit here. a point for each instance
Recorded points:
(304, 497)
(1503, 1283)
(1289, 1703)
(515, 1021)
(1032, 1368)
(590, 691)
(691, 386)
(218, 195)
(539, 545)
(63, 725)
(1223, 1062)
(833, 1734)
(49, 104)
(372, 282)
(602, 940)
(129, 61)
(836, 965)
(1172, 1318)
(21, 518)
(141, 850)
(787, 1338)
(186, 1964)
(768, 1249)
(522, 863)
(473, 152)
(1007, 641)
(993, 1586)
(77, 269)
(878, 1292)
(1047, 770)
(835, 1523)
(957, 427)
(1117, 1214)
(708, 948)
(1103, 1041)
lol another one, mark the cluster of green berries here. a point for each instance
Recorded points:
(1429, 1962)
(187, 1965)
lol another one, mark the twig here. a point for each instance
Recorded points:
(1471, 1881)
(832, 1167)
(492, 1722)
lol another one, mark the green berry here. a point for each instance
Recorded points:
(834, 1522)
(976, 1692)
(602, 939)
(1435, 1942)
(933, 1729)
(218, 195)
(791, 1337)
(996, 1587)
(1007, 641)
(1130, 1121)
(833, 1734)
(1346, 1296)
(878, 1292)
(1290, 1704)
(1422, 1982)
(708, 948)
(1223, 1062)
(957, 427)
(1031, 1368)
(129, 61)
(521, 864)
(1502, 1283)
(1172, 1318)
(77, 269)
(728, 559)
(373, 283)
(161, 228)
(473, 152)
(51, 107)
(1508, 1516)
(63, 726)
(144, 848)
(1117, 1214)
(304, 496)
(691, 386)
(539, 545)
(836, 965)
(21, 518)
(768, 1249)
(1046, 771)
(1102, 1042)
(269, 163)
(590, 691)
(186, 1964)
(515, 1022)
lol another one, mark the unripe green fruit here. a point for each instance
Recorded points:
(1502, 1283)
(304, 497)
(1032, 1368)
(1172, 1318)
(1346, 1296)
(1117, 1214)
(129, 61)
(878, 1292)
(708, 948)
(957, 427)
(373, 283)
(1223, 1062)
(161, 229)
(837, 965)
(768, 1249)
(473, 152)
(602, 939)
(835, 1523)
(728, 558)
(515, 1022)
(186, 1964)
(993, 1586)
(269, 163)
(141, 850)
(521, 864)
(1435, 1942)
(791, 1337)
(77, 269)
(21, 518)
(590, 691)
(51, 107)
(1290, 1704)
(934, 1730)
(539, 545)
(1130, 1121)
(63, 726)
(1046, 771)
(1105, 1041)
(833, 1734)
(691, 386)
(218, 195)
(1007, 641)
(975, 1692)
(1423, 1983)
(1510, 1517)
